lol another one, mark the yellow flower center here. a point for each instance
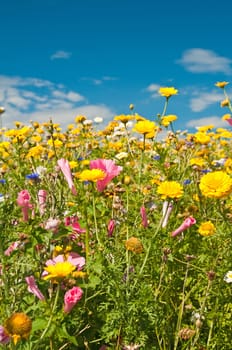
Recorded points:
(59, 270)
(18, 326)
(93, 175)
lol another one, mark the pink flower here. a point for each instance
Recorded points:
(73, 221)
(143, 216)
(109, 167)
(65, 168)
(71, 297)
(23, 201)
(167, 209)
(11, 248)
(229, 120)
(186, 224)
(74, 258)
(4, 338)
(110, 227)
(42, 195)
(33, 288)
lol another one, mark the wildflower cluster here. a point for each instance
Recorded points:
(116, 238)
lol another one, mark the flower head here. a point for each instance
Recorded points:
(93, 175)
(167, 119)
(71, 297)
(61, 266)
(33, 288)
(134, 245)
(18, 326)
(221, 84)
(65, 168)
(108, 167)
(168, 91)
(145, 127)
(170, 189)
(228, 277)
(206, 228)
(188, 222)
(4, 338)
(216, 184)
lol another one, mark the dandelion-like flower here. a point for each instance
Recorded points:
(167, 119)
(216, 184)
(134, 245)
(18, 326)
(61, 266)
(145, 127)
(92, 175)
(170, 189)
(221, 84)
(168, 91)
(206, 228)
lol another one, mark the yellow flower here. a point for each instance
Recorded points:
(145, 127)
(170, 189)
(225, 103)
(168, 91)
(18, 326)
(207, 228)
(221, 84)
(217, 184)
(55, 143)
(80, 118)
(59, 270)
(134, 245)
(205, 128)
(202, 138)
(197, 161)
(167, 119)
(226, 116)
(91, 175)
(124, 118)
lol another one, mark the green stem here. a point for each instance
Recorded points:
(141, 159)
(95, 218)
(181, 310)
(165, 107)
(50, 318)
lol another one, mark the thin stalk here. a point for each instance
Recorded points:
(165, 107)
(95, 217)
(50, 318)
(181, 310)
(141, 159)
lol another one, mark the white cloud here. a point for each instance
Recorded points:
(26, 99)
(204, 100)
(199, 60)
(66, 116)
(152, 87)
(99, 81)
(61, 55)
(71, 95)
(217, 122)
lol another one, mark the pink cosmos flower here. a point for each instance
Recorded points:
(42, 195)
(23, 201)
(167, 209)
(71, 297)
(186, 224)
(4, 338)
(11, 248)
(109, 167)
(143, 216)
(110, 227)
(74, 258)
(65, 168)
(33, 288)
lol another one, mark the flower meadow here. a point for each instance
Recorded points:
(117, 238)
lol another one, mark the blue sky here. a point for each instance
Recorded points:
(61, 58)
